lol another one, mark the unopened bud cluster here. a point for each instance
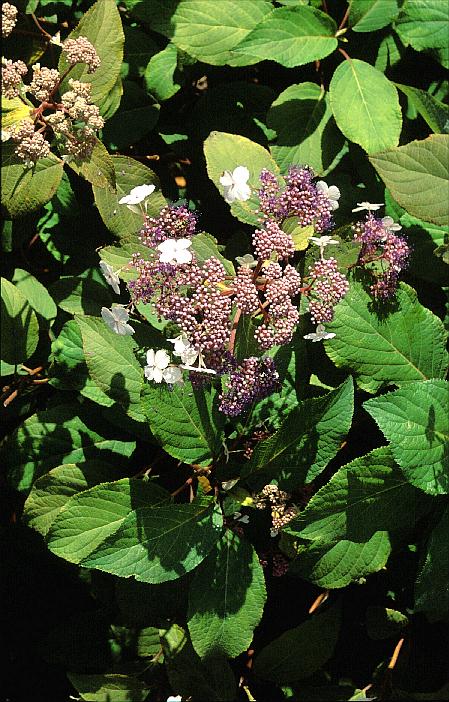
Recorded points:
(9, 18)
(74, 120)
(280, 505)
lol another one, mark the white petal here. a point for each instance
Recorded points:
(226, 178)
(333, 193)
(189, 355)
(150, 357)
(183, 244)
(183, 256)
(240, 175)
(172, 375)
(120, 314)
(148, 372)
(124, 329)
(323, 187)
(157, 375)
(161, 359)
(107, 316)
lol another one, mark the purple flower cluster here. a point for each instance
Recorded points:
(329, 286)
(381, 244)
(173, 222)
(253, 379)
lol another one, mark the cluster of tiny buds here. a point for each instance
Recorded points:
(80, 50)
(279, 501)
(9, 18)
(329, 286)
(44, 82)
(31, 145)
(12, 76)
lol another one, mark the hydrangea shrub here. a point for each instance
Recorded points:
(224, 349)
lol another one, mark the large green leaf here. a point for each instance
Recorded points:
(97, 168)
(36, 294)
(89, 517)
(433, 111)
(362, 498)
(365, 106)
(291, 36)
(306, 131)
(226, 600)
(338, 565)
(109, 687)
(64, 434)
(160, 73)
(51, 491)
(209, 35)
(112, 364)
(184, 421)
(19, 325)
(307, 440)
(300, 652)
(423, 24)
(417, 175)
(128, 529)
(415, 419)
(84, 294)
(128, 174)
(102, 26)
(432, 586)
(406, 345)
(26, 189)
(136, 116)
(370, 15)
(224, 152)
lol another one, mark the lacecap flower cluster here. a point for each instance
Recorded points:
(207, 299)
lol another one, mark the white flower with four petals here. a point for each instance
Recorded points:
(116, 318)
(331, 192)
(175, 251)
(390, 224)
(235, 184)
(322, 242)
(110, 276)
(158, 368)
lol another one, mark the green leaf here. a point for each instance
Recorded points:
(306, 131)
(136, 116)
(338, 565)
(128, 174)
(224, 152)
(417, 175)
(112, 364)
(382, 622)
(300, 652)
(390, 52)
(307, 440)
(365, 106)
(88, 518)
(19, 326)
(205, 245)
(64, 434)
(26, 189)
(85, 294)
(423, 25)
(138, 50)
(291, 37)
(109, 687)
(415, 419)
(160, 71)
(98, 168)
(211, 36)
(432, 587)
(115, 528)
(102, 26)
(212, 680)
(227, 597)
(360, 499)
(50, 492)
(184, 422)
(36, 294)
(434, 112)
(370, 15)
(13, 111)
(407, 345)
(111, 103)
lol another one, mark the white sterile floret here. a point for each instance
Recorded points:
(183, 349)
(320, 334)
(246, 261)
(200, 368)
(369, 206)
(173, 375)
(331, 192)
(178, 698)
(137, 195)
(390, 224)
(5, 135)
(175, 251)
(235, 184)
(322, 242)
(116, 319)
(110, 276)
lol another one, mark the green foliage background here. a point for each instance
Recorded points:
(117, 585)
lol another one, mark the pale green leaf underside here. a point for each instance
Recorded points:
(407, 345)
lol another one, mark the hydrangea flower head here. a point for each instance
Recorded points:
(117, 320)
(235, 184)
